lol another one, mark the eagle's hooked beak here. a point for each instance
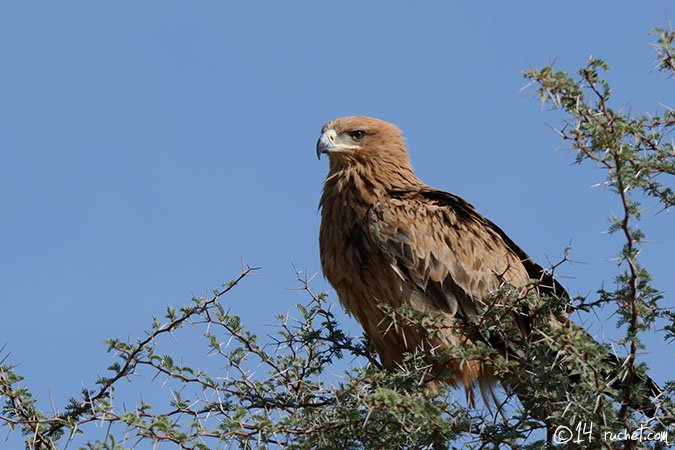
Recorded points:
(326, 143)
(329, 143)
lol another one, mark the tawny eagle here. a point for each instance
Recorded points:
(387, 238)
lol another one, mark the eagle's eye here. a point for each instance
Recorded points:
(357, 135)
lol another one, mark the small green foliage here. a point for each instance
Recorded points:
(665, 50)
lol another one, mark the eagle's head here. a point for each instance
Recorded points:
(360, 139)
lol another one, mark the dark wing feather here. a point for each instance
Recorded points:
(451, 253)
(456, 258)
(547, 284)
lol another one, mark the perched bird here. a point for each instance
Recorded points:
(388, 239)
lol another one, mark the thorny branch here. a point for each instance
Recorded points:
(635, 153)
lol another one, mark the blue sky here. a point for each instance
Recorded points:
(146, 147)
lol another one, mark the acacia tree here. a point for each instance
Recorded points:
(278, 392)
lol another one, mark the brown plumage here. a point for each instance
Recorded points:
(387, 238)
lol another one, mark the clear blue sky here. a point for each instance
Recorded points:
(145, 147)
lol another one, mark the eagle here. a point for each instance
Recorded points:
(387, 240)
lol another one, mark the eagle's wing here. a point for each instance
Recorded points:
(451, 253)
